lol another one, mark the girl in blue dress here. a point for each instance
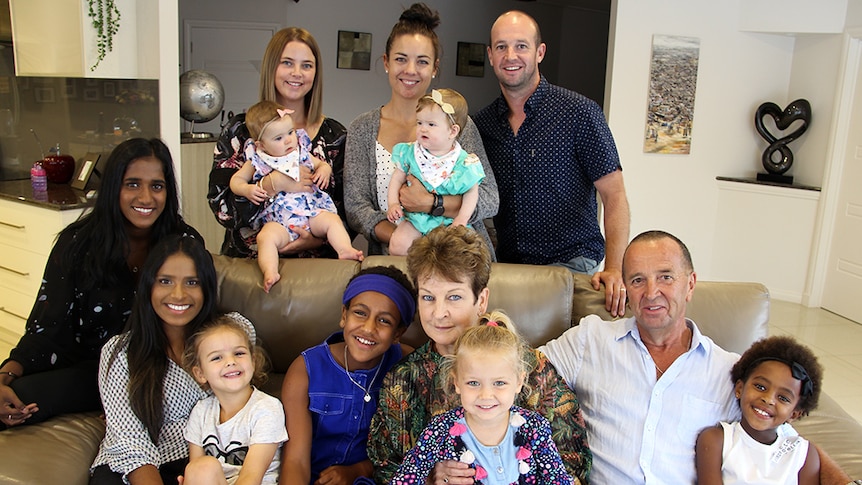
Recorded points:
(437, 160)
(330, 391)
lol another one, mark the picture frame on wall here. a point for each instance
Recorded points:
(471, 60)
(354, 50)
(44, 95)
(670, 103)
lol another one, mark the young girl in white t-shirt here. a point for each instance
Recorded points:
(238, 431)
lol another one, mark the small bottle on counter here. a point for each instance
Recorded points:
(39, 178)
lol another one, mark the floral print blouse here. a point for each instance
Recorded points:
(413, 394)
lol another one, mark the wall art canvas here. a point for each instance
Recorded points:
(672, 82)
(471, 60)
(354, 50)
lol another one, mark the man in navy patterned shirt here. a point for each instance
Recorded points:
(551, 150)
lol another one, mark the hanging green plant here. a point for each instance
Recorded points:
(106, 21)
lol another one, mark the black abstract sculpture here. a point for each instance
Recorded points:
(799, 110)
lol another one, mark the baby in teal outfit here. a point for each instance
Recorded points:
(438, 161)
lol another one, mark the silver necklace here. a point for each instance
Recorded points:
(661, 372)
(367, 397)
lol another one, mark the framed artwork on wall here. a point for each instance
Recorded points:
(44, 95)
(672, 83)
(471, 60)
(354, 50)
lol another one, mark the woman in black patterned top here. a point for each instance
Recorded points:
(291, 75)
(88, 286)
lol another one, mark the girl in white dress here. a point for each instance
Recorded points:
(778, 381)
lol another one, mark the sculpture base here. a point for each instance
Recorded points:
(775, 178)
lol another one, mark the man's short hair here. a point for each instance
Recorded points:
(656, 235)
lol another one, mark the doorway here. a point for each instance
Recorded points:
(231, 51)
(842, 276)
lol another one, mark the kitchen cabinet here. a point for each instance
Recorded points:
(765, 233)
(57, 38)
(197, 161)
(27, 234)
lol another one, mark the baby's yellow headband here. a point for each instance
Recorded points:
(447, 108)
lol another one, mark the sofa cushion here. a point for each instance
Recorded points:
(301, 310)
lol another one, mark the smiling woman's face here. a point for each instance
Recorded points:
(411, 65)
(447, 309)
(294, 76)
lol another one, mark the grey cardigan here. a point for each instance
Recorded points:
(360, 184)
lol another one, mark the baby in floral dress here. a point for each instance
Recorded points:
(502, 443)
(274, 146)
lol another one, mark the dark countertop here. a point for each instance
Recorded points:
(58, 197)
(186, 138)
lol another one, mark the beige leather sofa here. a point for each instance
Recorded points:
(304, 308)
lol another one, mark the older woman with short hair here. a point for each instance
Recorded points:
(450, 268)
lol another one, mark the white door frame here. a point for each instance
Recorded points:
(836, 156)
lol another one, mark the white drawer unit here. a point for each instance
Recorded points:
(27, 234)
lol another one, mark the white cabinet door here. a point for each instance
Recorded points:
(57, 38)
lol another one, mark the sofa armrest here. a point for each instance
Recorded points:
(59, 450)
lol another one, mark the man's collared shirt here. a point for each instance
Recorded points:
(545, 175)
(642, 429)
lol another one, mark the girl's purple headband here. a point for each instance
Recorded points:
(384, 285)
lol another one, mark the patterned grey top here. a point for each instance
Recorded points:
(126, 445)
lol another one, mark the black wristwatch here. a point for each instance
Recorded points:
(437, 207)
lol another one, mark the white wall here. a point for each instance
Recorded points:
(816, 65)
(737, 72)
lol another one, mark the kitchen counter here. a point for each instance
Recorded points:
(58, 197)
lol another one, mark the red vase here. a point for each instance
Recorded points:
(59, 168)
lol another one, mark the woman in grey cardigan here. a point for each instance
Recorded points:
(411, 60)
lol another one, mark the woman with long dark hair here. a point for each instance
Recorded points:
(145, 391)
(89, 284)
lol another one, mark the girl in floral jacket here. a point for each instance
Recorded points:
(505, 444)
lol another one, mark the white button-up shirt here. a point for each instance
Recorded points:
(642, 429)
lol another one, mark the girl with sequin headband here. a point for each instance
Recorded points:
(330, 391)
(235, 434)
(504, 443)
(274, 146)
(438, 161)
(778, 380)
